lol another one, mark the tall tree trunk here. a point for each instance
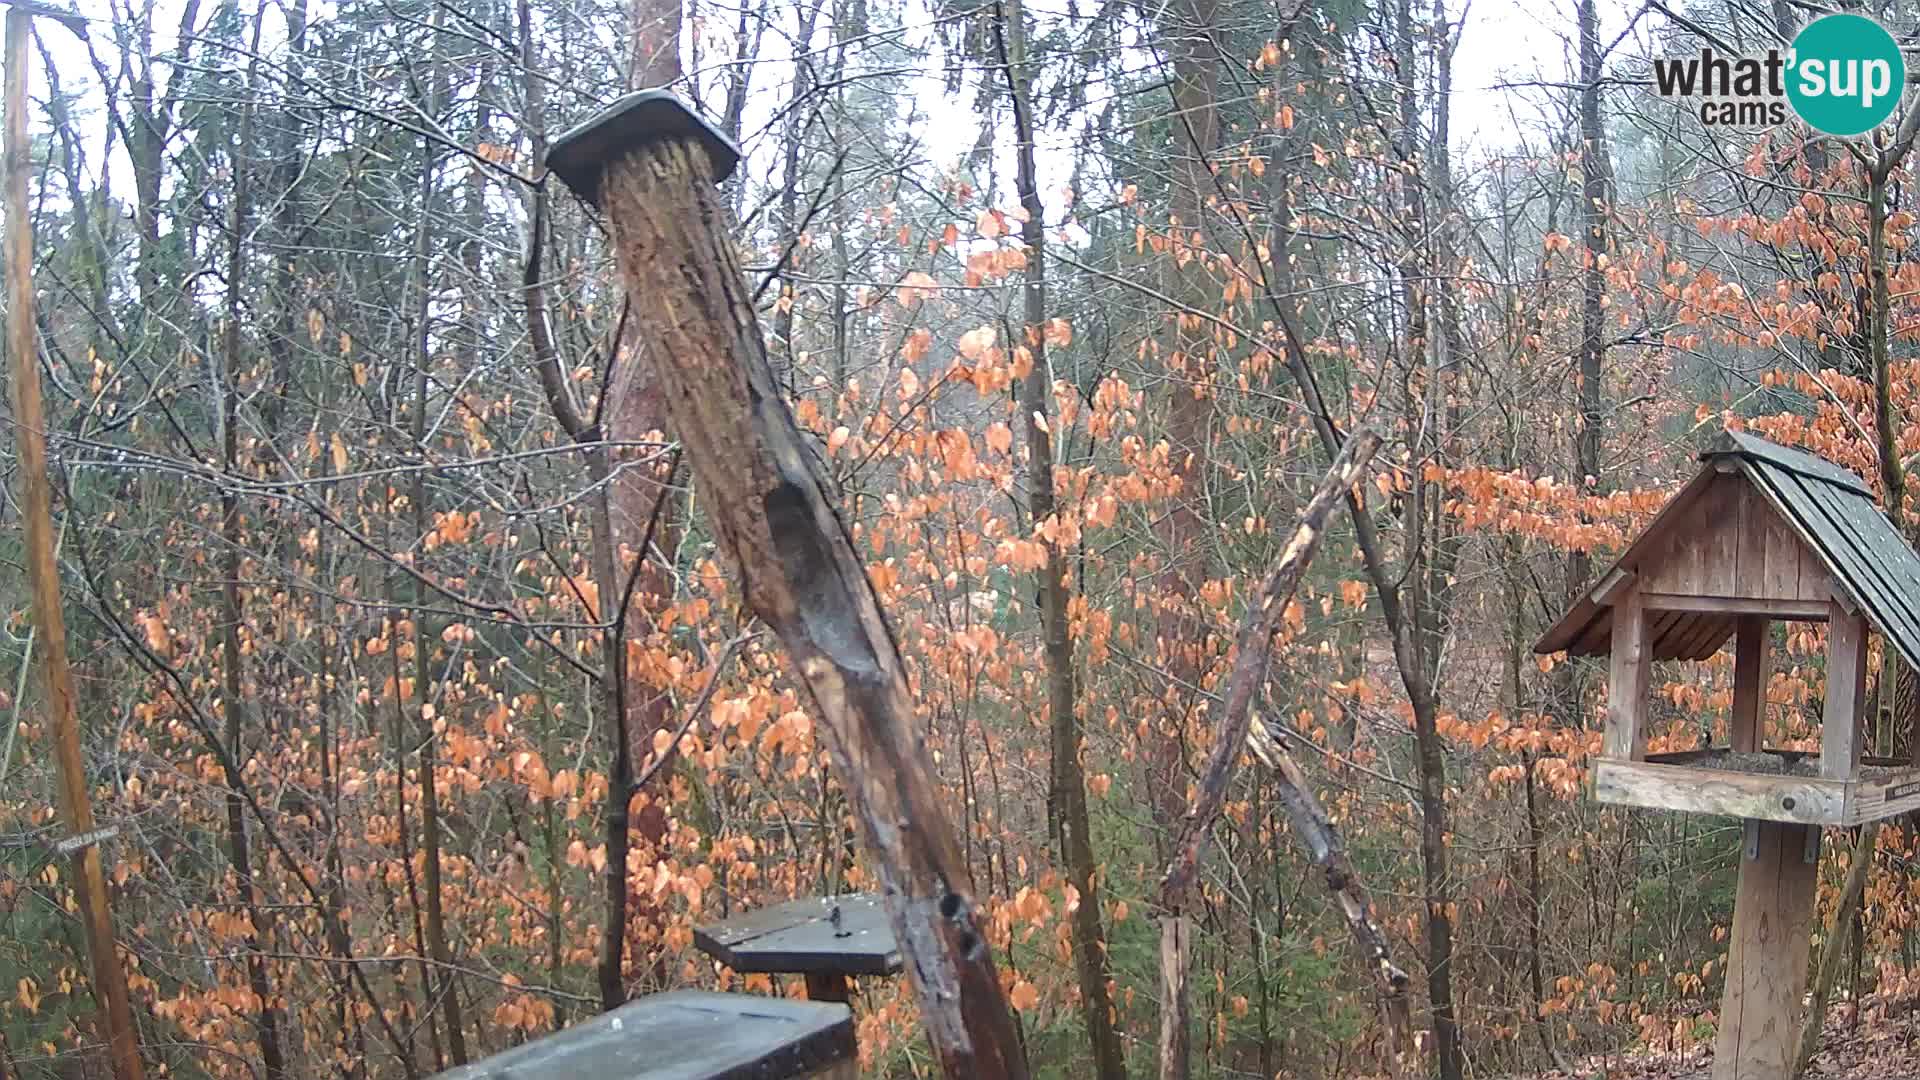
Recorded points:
(1189, 26)
(1427, 579)
(626, 505)
(1067, 784)
(445, 987)
(233, 708)
(799, 121)
(1591, 375)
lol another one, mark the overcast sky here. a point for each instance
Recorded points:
(1504, 42)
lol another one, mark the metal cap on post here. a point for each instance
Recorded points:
(581, 155)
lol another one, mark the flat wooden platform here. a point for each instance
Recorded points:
(1767, 785)
(804, 937)
(686, 1035)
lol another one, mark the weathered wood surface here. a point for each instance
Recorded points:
(1879, 799)
(770, 505)
(1747, 725)
(1733, 606)
(43, 572)
(1728, 541)
(1629, 666)
(1701, 790)
(1767, 962)
(801, 937)
(686, 1035)
(1762, 529)
(1840, 734)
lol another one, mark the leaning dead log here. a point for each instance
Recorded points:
(1316, 829)
(1237, 729)
(1827, 970)
(651, 165)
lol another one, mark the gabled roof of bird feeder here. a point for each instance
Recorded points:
(1832, 521)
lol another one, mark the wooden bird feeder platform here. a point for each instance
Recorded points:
(687, 1035)
(826, 939)
(1762, 533)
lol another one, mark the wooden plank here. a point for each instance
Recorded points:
(1846, 694)
(1693, 789)
(1767, 960)
(1750, 521)
(1800, 610)
(1678, 565)
(1887, 551)
(803, 937)
(1749, 683)
(1611, 585)
(827, 986)
(1681, 757)
(1815, 580)
(1628, 671)
(1697, 637)
(1706, 639)
(1713, 632)
(1719, 539)
(1667, 645)
(1783, 559)
(1879, 801)
(1671, 522)
(1573, 623)
(685, 1035)
(1596, 638)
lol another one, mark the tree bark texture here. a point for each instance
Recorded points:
(1067, 781)
(267, 1023)
(769, 506)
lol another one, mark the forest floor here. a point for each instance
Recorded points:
(1883, 1045)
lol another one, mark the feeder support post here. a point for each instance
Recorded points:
(651, 165)
(1760, 1010)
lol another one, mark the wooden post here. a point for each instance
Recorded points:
(1628, 669)
(43, 574)
(1846, 692)
(827, 986)
(652, 164)
(1747, 729)
(1767, 963)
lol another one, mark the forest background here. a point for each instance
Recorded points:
(371, 610)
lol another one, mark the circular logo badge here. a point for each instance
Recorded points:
(1845, 75)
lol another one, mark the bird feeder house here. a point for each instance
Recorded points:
(1762, 533)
